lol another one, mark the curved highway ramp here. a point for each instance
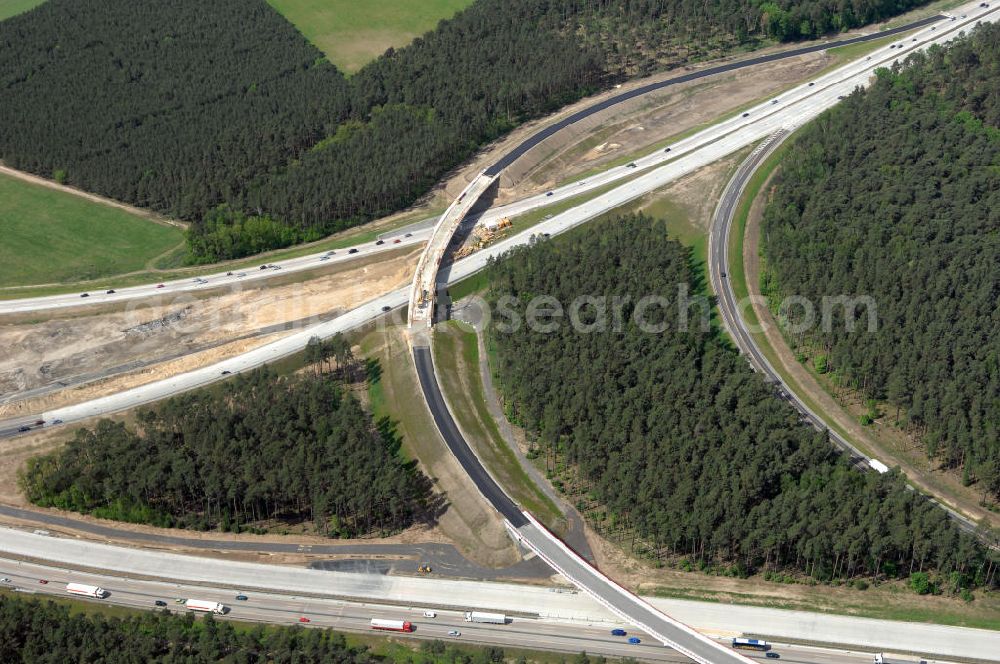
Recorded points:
(556, 553)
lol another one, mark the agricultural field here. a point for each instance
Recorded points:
(353, 33)
(53, 236)
(10, 8)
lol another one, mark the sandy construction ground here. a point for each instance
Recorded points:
(63, 360)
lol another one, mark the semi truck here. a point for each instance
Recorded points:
(205, 605)
(480, 617)
(743, 643)
(88, 591)
(880, 658)
(392, 625)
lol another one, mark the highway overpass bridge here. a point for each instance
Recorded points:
(795, 106)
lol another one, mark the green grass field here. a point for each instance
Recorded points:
(51, 236)
(10, 8)
(353, 33)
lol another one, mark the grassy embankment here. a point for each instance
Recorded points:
(162, 267)
(52, 236)
(10, 8)
(353, 33)
(456, 355)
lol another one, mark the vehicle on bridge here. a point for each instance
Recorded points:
(742, 643)
(392, 625)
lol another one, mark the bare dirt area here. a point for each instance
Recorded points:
(694, 196)
(94, 355)
(883, 440)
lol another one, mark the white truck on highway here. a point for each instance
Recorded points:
(205, 605)
(480, 617)
(88, 591)
(882, 659)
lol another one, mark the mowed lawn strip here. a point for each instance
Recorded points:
(50, 236)
(353, 33)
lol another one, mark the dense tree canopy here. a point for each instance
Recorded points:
(258, 448)
(677, 436)
(36, 631)
(184, 106)
(43, 632)
(895, 195)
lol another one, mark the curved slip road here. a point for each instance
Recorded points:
(803, 104)
(553, 551)
(728, 138)
(421, 231)
(731, 310)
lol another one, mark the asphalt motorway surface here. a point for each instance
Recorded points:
(541, 135)
(457, 444)
(422, 230)
(732, 317)
(797, 106)
(413, 234)
(285, 609)
(563, 559)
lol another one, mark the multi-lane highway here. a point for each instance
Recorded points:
(301, 589)
(797, 106)
(408, 236)
(421, 231)
(649, 173)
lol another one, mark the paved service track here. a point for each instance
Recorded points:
(444, 559)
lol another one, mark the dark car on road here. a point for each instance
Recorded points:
(772, 655)
(241, 598)
(380, 242)
(22, 429)
(84, 294)
(159, 602)
(110, 291)
(618, 632)
(353, 251)
(634, 640)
